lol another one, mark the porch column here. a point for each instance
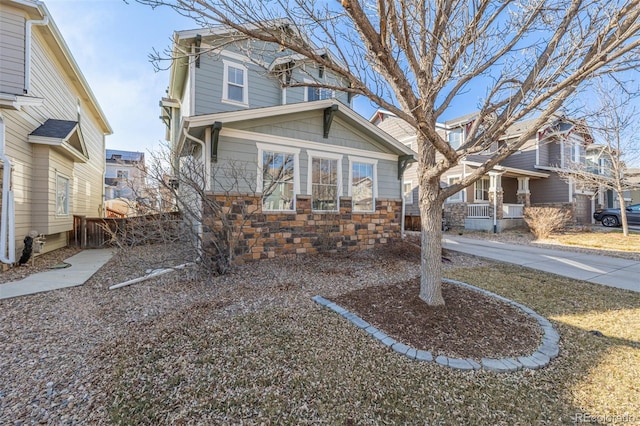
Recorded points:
(496, 194)
(523, 195)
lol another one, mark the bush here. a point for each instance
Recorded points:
(543, 221)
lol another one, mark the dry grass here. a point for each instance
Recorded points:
(301, 364)
(600, 375)
(611, 240)
(251, 348)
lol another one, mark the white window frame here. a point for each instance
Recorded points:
(225, 84)
(475, 198)
(408, 195)
(458, 197)
(374, 163)
(67, 189)
(459, 131)
(325, 156)
(262, 147)
(306, 91)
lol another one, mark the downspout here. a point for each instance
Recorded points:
(27, 50)
(402, 235)
(203, 159)
(7, 220)
(198, 141)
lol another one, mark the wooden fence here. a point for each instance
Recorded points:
(99, 232)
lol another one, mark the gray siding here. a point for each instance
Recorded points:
(309, 126)
(242, 155)
(554, 158)
(524, 159)
(12, 24)
(411, 175)
(510, 190)
(550, 190)
(263, 91)
(264, 88)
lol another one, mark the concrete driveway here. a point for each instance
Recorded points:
(605, 270)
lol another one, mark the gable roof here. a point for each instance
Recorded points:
(341, 110)
(63, 134)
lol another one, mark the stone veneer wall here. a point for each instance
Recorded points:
(262, 235)
(455, 214)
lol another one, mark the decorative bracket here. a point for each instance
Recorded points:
(328, 119)
(215, 135)
(403, 163)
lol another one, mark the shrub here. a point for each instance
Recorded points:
(543, 221)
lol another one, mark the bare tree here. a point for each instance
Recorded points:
(209, 229)
(419, 58)
(613, 121)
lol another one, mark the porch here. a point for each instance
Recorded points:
(480, 217)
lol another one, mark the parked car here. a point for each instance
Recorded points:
(611, 217)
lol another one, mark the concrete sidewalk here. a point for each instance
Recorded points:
(609, 271)
(83, 266)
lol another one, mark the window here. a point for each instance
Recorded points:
(122, 174)
(62, 195)
(235, 88)
(325, 171)
(482, 189)
(318, 94)
(458, 196)
(576, 154)
(455, 138)
(277, 177)
(407, 191)
(363, 184)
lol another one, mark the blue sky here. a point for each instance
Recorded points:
(111, 40)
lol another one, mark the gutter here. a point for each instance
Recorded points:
(27, 49)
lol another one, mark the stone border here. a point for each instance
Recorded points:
(547, 351)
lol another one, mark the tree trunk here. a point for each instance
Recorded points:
(431, 221)
(431, 242)
(623, 212)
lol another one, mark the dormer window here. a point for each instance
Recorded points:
(319, 93)
(235, 89)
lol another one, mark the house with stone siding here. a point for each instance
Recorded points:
(529, 177)
(318, 175)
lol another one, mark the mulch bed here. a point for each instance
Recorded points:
(469, 325)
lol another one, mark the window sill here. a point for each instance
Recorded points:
(236, 103)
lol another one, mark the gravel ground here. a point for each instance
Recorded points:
(62, 350)
(53, 367)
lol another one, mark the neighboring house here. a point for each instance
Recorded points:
(600, 162)
(52, 132)
(634, 194)
(125, 183)
(317, 168)
(528, 177)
